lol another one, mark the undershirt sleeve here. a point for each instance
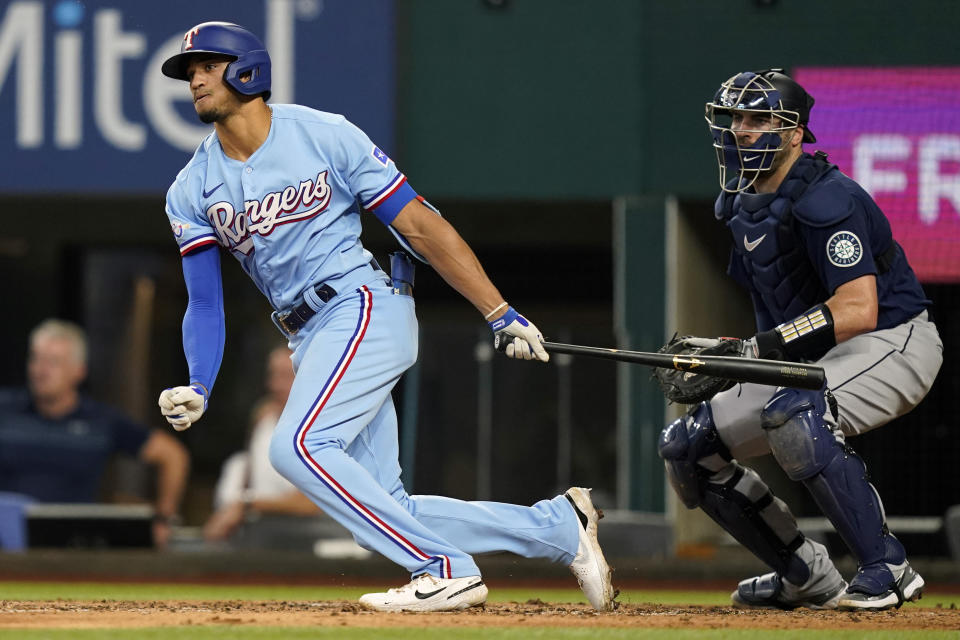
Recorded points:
(203, 322)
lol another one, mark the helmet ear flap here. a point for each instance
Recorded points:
(257, 64)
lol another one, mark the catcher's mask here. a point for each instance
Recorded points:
(762, 92)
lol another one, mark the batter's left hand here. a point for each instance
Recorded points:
(527, 340)
(182, 406)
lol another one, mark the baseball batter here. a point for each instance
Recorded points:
(281, 188)
(829, 284)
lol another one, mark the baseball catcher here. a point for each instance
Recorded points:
(829, 285)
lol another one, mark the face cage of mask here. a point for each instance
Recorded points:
(746, 162)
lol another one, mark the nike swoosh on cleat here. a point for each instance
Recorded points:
(750, 246)
(424, 596)
(464, 590)
(207, 194)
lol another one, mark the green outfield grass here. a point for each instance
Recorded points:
(166, 591)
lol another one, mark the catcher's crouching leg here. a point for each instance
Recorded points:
(703, 473)
(807, 449)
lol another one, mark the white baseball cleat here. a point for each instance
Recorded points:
(822, 590)
(907, 588)
(428, 593)
(589, 565)
(771, 591)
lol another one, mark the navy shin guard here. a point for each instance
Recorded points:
(751, 523)
(703, 473)
(808, 450)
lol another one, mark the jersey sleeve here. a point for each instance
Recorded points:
(191, 229)
(841, 252)
(372, 176)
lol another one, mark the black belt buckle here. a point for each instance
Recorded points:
(280, 319)
(291, 320)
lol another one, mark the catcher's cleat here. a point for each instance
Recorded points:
(861, 595)
(770, 591)
(429, 593)
(589, 566)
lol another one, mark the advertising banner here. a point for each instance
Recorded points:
(86, 109)
(896, 131)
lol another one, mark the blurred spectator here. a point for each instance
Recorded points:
(248, 482)
(55, 442)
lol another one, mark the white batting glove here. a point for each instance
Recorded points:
(182, 406)
(527, 340)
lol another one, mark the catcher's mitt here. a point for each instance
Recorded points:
(690, 388)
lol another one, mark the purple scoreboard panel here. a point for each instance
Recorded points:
(896, 131)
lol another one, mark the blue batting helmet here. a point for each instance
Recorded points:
(225, 38)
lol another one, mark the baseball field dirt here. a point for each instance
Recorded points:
(533, 613)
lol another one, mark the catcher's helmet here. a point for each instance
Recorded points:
(226, 38)
(769, 91)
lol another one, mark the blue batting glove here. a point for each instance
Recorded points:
(527, 340)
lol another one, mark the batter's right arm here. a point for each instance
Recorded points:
(436, 239)
(203, 338)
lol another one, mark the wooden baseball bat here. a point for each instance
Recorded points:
(772, 372)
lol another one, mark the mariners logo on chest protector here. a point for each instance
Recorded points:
(844, 249)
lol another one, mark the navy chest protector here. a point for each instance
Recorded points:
(768, 246)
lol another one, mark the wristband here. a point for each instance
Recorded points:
(495, 309)
(806, 336)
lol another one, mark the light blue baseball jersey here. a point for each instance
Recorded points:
(290, 213)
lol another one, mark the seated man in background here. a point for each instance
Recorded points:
(55, 442)
(248, 482)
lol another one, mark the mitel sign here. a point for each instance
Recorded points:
(86, 108)
(896, 131)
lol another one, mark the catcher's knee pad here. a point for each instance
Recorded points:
(799, 437)
(683, 444)
(805, 446)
